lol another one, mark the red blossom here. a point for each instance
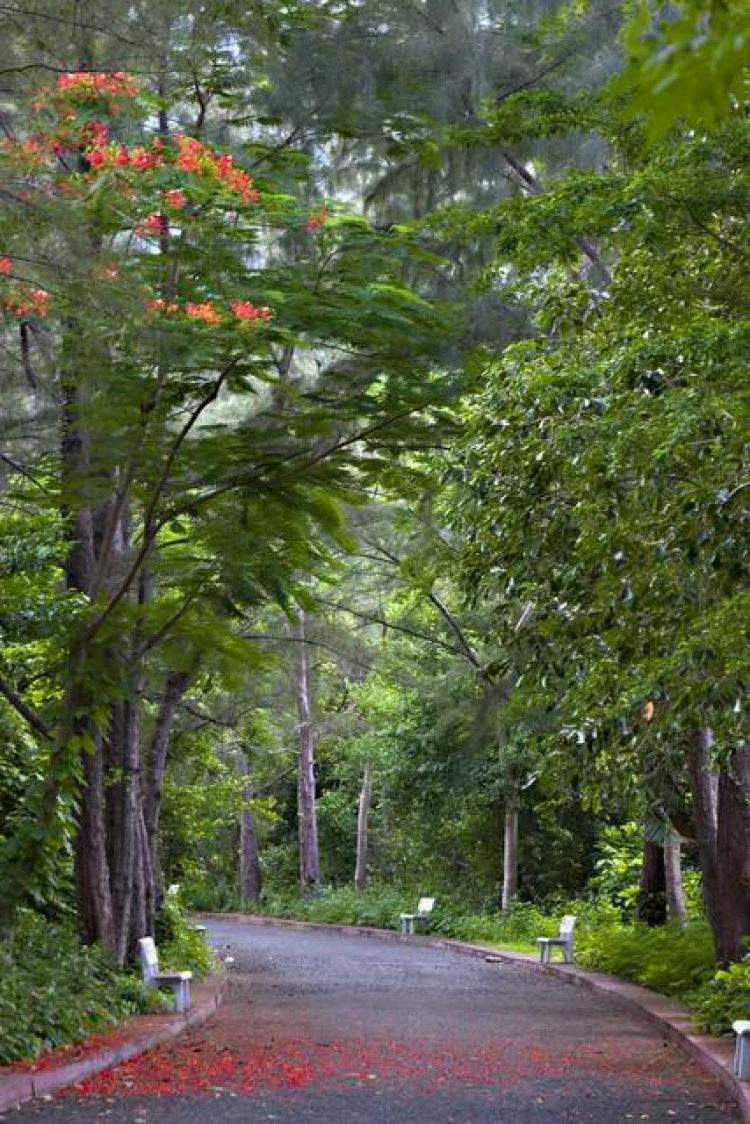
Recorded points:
(246, 310)
(176, 199)
(155, 222)
(317, 220)
(204, 311)
(94, 133)
(158, 304)
(35, 303)
(5, 265)
(117, 83)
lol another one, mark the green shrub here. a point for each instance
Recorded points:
(378, 907)
(723, 999)
(53, 991)
(670, 958)
(181, 947)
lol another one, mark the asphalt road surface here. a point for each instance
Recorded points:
(322, 1027)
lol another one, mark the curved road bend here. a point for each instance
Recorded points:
(322, 1027)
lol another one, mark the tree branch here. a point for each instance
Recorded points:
(534, 187)
(26, 712)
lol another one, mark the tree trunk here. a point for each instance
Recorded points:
(309, 857)
(95, 912)
(652, 894)
(91, 863)
(123, 766)
(365, 799)
(721, 811)
(676, 908)
(251, 878)
(733, 856)
(705, 786)
(177, 683)
(510, 857)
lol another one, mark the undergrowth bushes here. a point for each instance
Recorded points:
(181, 946)
(378, 907)
(672, 959)
(53, 991)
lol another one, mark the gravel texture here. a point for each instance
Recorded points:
(325, 1027)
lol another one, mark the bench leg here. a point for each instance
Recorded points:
(182, 996)
(741, 1067)
(407, 926)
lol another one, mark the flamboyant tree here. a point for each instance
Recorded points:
(137, 263)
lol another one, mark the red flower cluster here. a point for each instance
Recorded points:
(190, 155)
(100, 154)
(204, 311)
(154, 221)
(117, 84)
(318, 220)
(195, 157)
(176, 199)
(35, 303)
(246, 310)
(5, 265)
(208, 313)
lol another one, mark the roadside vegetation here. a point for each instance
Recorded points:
(54, 991)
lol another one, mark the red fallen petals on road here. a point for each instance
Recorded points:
(90, 1048)
(195, 1066)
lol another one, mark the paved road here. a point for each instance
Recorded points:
(321, 1027)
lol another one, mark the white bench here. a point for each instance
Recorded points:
(564, 941)
(741, 1067)
(425, 907)
(152, 977)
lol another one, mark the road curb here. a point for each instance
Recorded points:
(19, 1086)
(713, 1055)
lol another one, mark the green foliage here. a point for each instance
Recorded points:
(672, 959)
(723, 999)
(181, 947)
(689, 61)
(54, 992)
(605, 463)
(618, 867)
(379, 906)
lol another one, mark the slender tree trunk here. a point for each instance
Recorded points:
(123, 763)
(510, 855)
(143, 911)
(177, 683)
(91, 862)
(309, 857)
(251, 877)
(676, 908)
(652, 894)
(95, 912)
(365, 800)
(705, 786)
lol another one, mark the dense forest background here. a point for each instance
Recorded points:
(373, 466)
